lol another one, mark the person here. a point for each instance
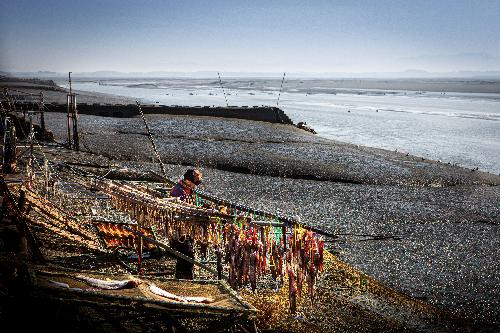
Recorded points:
(184, 190)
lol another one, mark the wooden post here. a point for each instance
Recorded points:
(76, 140)
(3, 116)
(174, 252)
(9, 147)
(283, 232)
(69, 105)
(139, 255)
(68, 119)
(32, 156)
(218, 252)
(46, 171)
(41, 107)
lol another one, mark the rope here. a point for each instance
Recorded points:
(279, 94)
(220, 81)
(22, 92)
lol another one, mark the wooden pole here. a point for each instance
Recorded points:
(3, 117)
(41, 107)
(69, 101)
(69, 76)
(9, 147)
(139, 255)
(76, 140)
(46, 171)
(283, 231)
(32, 156)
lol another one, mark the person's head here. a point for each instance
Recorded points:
(194, 176)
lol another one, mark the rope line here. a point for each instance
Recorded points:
(279, 94)
(220, 81)
(152, 141)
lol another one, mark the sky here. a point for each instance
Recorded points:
(249, 36)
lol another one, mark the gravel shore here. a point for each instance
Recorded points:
(426, 229)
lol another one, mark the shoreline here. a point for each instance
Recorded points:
(436, 84)
(87, 97)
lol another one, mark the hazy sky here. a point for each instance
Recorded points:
(253, 35)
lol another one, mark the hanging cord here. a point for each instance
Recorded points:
(220, 81)
(152, 142)
(23, 92)
(279, 94)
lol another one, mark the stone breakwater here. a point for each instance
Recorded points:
(258, 113)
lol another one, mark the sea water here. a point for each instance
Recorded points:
(456, 128)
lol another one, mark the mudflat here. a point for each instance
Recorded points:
(427, 229)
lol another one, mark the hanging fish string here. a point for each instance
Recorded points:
(251, 244)
(249, 250)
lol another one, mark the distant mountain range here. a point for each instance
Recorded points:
(408, 74)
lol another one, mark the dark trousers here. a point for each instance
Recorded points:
(183, 268)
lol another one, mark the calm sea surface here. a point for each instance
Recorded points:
(460, 128)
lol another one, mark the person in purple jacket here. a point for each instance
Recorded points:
(185, 244)
(186, 186)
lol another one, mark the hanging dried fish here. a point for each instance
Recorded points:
(292, 290)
